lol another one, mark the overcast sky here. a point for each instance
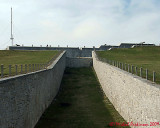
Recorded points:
(80, 23)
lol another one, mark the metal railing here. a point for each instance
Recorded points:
(17, 69)
(139, 71)
(12, 70)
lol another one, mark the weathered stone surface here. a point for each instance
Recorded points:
(24, 98)
(136, 99)
(79, 62)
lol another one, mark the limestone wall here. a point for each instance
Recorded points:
(24, 98)
(136, 99)
(79, 62)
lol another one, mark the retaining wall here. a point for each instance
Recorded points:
(136, 99)
(79, 62)
(24, 98)
(71, 52)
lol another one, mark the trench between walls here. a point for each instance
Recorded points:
(24, 98)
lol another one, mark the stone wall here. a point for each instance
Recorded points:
(79, 62)
(136, 99)
(24, 98)
(71, 52)
(86, 52)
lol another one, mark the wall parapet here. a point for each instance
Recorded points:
(135, 98)
(25, 97)
(70, 51)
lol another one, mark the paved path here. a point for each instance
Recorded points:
(79, 104)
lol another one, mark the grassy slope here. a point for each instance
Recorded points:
(146, 57)
(79, 104)
(24, 57)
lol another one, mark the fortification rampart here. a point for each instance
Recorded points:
(71, 52)
(24, 98)
(136, 99)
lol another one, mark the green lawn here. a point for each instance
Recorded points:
(145, 57)
(24, 57)
(80, 103)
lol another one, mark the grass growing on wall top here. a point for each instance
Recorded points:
(145, 57)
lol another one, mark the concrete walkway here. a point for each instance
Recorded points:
(80, 103)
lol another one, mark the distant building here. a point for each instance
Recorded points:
(126, 45)
(106, 47)
(80, 52)
(130, 45)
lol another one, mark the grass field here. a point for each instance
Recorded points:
(80, 103)
(24, 57)
(145, 57)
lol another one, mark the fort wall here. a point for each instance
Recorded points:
(135, 98)
(23, 98)
(79, 62)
